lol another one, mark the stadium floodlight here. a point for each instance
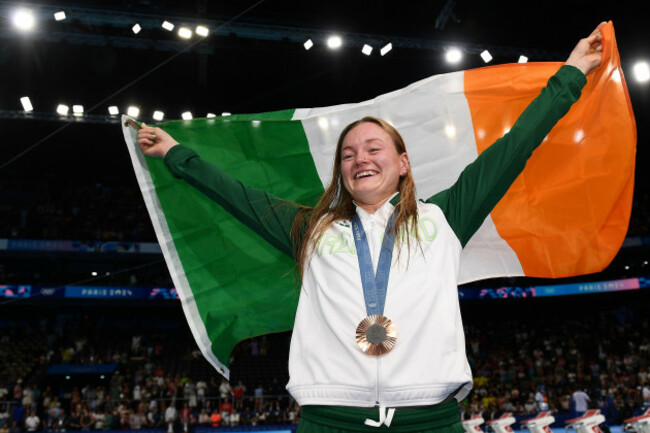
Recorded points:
(113, 110)
(93, 273)
(334, 42)
(210, 115)
(308, 44)
(136, 28)
(486, 56)
(133, 111)
(202, 31)
(27, 104)
(77, 110)
(226, 114)
(24, 20)
(367, 49)
(453, 55)
(386, 49)
(62, 109)
(167, 26)
(187, 115)
(158, 115)
(59, 16)
(642, 72)
(522, 59)
(184, 32)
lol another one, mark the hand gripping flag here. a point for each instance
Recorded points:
(567, 214)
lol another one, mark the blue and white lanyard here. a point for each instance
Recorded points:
(374, 285)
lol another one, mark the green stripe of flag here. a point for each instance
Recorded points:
(226, 264)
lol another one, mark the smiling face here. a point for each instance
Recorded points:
(371, 166)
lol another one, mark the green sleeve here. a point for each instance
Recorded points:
(267, 215)
(485, 181)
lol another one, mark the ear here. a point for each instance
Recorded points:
(404, 164)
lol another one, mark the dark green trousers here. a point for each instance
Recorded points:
(440, 418)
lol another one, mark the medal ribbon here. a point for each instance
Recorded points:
(374, 285)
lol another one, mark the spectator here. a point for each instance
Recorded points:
(259, 397)
(204, 418)
(32, 422)
(185, 417)
(170, 417)
(18, 413)
(201, 389)
(215, 418)
(224, 389)
(238, 394)
(85, 420)
(646, 396)
(226, 409)
(541, 399)
(581, 402)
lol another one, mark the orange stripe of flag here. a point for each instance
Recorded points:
(568, 212)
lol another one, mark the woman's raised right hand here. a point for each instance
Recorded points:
(154, 141)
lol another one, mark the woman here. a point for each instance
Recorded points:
(408, 360)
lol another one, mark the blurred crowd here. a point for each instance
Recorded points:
(562, 363)
(523, 363)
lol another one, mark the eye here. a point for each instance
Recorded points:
(346, 157)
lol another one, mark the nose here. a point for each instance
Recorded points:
(360, 158)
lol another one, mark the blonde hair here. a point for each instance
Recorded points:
(336, 202)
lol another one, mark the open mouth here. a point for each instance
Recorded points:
(363, 174)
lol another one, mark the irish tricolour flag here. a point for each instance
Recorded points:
(567, 214)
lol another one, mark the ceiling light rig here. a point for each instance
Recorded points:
(27, 104)
(24, 20)
(386, 49)
(486, 56)
(62, 109)
(641, 72)
(202, 31)
(184, 32)
(453, 55)
(334, 42)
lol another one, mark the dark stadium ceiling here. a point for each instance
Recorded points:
(256, 64)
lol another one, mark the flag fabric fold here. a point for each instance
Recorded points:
(567, 214)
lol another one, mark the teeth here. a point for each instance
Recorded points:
(364, 174)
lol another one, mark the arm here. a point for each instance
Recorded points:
(267, 215)
(485, 181)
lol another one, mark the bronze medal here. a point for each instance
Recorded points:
(376, 335)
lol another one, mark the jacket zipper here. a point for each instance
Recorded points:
(378, 381)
